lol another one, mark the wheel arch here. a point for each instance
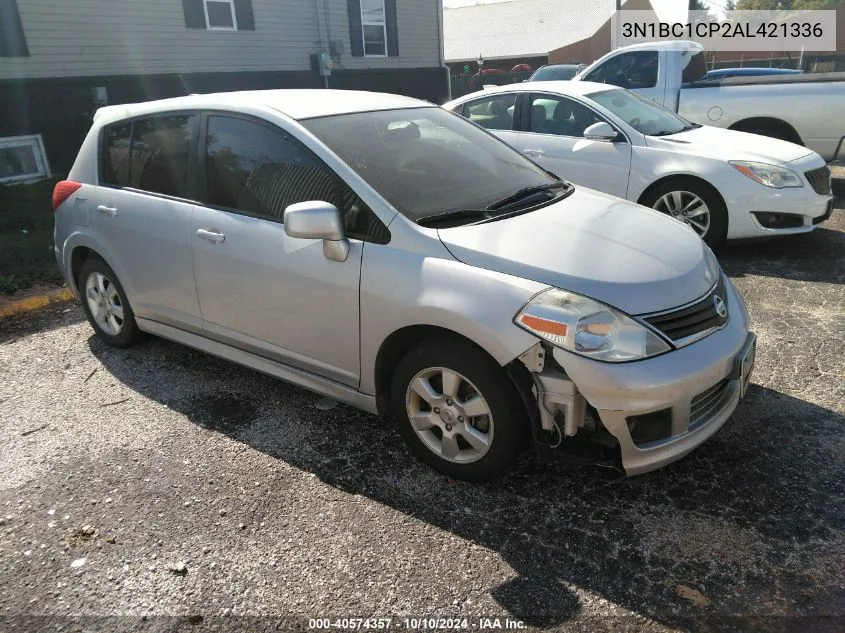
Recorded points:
(398, 344)
(680, 176)
(753, 124)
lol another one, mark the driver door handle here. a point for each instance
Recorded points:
(211, 236)
(107, 210)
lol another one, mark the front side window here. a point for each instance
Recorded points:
(159, 154)
(373, 24)
(635, 70)
(494, 112)
(427, 160)
(642, 114)
(260, 171)
(560, 116)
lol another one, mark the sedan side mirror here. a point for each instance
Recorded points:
(318, 220)
(601, 131)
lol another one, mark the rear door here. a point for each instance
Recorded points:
(143, 214)
(497, 112)
(260, 289)
(554, 137)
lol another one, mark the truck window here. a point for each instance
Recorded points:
(634, 70)
(695, 67)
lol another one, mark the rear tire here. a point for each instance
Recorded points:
(105, 304)
(681, 192)
(468, 421)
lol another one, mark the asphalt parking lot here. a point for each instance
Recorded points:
(180, 492)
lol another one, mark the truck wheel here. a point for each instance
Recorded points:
(694, 204)
(105, 304)
(457, 410)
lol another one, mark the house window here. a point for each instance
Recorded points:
(220, 15)
(373, 25)
(22, 158)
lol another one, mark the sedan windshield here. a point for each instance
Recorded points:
(427, 161)
(642, 114)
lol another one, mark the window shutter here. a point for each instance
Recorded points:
(243, 14)
(356, 37)
(12, 40)
(392, 28)
(194, 14)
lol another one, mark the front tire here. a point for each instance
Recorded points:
(457, 410)
(694, 204)
(105, 304)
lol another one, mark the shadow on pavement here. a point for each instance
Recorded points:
(745, 519)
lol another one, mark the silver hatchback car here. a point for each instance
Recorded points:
(394, 256)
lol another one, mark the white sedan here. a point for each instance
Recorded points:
(724, 184)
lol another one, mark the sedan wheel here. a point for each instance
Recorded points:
(104, 303)
(449, 415)
(686, 207)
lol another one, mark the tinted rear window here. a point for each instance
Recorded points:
(554, 73)
(148, 154)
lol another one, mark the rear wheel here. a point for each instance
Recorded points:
(457, 410)
(105, 304)
(694, 204)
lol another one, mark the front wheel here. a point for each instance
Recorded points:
(694, 204)
(457, 410)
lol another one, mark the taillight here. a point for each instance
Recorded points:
(63, 190)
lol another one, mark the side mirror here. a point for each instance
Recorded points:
(601, 131)
(318, 220)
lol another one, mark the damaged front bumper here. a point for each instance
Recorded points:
(657, 410)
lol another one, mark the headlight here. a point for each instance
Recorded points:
(588, 328)
(769, 175)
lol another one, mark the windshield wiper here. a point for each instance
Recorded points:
(524, 193)
(454, 217)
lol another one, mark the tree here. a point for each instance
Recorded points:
(763, 5)
(697, 5)
(813, 4)
(730, 5)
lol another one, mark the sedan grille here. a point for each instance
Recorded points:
(698, 318)
(819, 180)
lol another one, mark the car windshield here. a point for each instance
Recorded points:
(427, 161)
(642, 114)
(554, 73)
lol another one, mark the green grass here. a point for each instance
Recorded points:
(26, 236)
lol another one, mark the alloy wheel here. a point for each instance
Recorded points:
(104, 303)
(450, 415)
(686, 207)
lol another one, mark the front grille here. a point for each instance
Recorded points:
(699, 317)
(819, 180)
(708, 403)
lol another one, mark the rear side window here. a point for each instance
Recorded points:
(149, 154)
(115, 159)
(695, 68)
(260, 171)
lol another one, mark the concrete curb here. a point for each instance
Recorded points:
(36, 302)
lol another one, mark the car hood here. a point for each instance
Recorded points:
(721, 144)
(603, 247)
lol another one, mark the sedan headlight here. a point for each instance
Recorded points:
(589, 328)
(769, 175)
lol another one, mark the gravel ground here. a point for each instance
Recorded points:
(158, 489)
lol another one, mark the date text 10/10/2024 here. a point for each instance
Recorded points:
(416, 624)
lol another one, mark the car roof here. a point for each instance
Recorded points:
(297, 104)
(673, 45)
(573, 88)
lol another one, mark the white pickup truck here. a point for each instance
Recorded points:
(808, 109)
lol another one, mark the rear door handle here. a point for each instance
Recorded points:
(534, 152)
(107, 210)
(211, 236)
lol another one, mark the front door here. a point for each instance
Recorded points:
(260, 289)
(554, 138)
(143, 219)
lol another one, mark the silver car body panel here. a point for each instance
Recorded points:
(276, 304)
